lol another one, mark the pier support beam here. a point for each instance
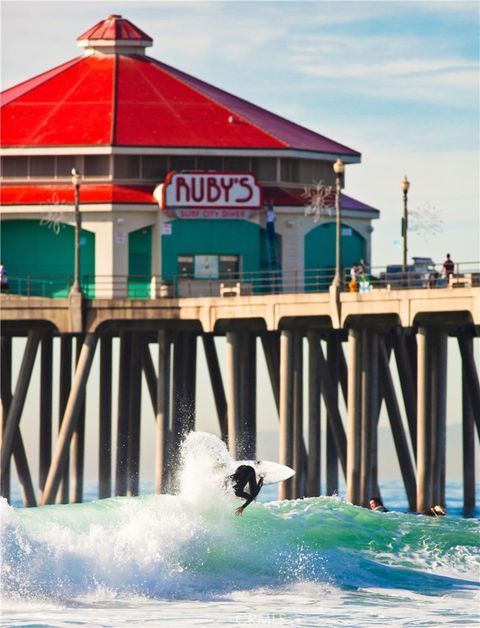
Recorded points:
(354, 416)
(162, 412)
(233, 393)
(424, 418)
(45, 431)
(439, 416)
(64, 390)
(468, 439)
(333, 361)
(216, 382)
(6, 398)
(134, 415)
(70, 418)
(408, 383)
(471, 375)
(314, 416)
(399, 437)
(298, 452)
(105, 419)
(77, 448)
(286, 408)
(11, 434)
(123, 410)
(369, 415)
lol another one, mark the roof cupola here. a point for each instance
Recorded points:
(114, 35)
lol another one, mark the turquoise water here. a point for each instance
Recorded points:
(186, 560)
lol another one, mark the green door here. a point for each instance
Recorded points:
(39, 257)
(320, 254)
(139, 263)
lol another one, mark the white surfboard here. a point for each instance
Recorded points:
(272, 472)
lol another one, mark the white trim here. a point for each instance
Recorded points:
(196, 152)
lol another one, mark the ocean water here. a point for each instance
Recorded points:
(186, 560)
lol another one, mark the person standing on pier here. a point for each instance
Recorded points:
(448, 268)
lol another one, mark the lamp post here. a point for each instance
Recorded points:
(339, 168)
(78, 226)
(405, 187)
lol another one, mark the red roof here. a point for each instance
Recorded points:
(61, 194)
(115, 28)
(133, 100)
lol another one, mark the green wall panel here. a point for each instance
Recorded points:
(214, 237)
(40, 259)
(139, 262)
(320, 254)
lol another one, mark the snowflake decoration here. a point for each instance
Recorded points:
(426, 222)
(320, 200)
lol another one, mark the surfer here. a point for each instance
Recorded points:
(376, 504)
(245, 474)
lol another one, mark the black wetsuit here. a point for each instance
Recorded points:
(245, 474)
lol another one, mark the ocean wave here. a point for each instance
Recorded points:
(191, 546)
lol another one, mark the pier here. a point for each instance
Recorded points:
(364, 336)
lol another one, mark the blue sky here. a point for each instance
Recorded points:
(398, 81)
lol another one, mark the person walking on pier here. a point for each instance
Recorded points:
(245, 474)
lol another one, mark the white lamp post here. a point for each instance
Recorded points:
(339, 168)
(405, 187)
(78, 226)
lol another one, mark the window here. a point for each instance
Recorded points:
(96, 166)
(127, 167)
(15, 167)
(265, 168)
(42, 167)
(65, 165)
(209, 163)
(154, 168)
(229, 266)
(289, 170)
(241, 164)
(182, 163)
(185, 265)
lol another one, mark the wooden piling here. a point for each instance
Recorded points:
(134, 415)
(216, 382)
(162, 412)
(399, 437)
(314, 416)
(18, 400)
(70, 417)
(123, 411)
(6, 399)
(424, 411)
(286, 408)
(468, 442)
(354, 416)
(105, 419)
(233, 393)
(45, 423)
(298, 459)
(77, 447)
(64, 391)
(333, 361)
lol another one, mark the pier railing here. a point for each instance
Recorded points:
(466, 274)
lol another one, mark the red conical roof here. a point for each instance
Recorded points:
(132, 100)
(115, 28)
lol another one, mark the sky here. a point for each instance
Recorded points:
(397, 81)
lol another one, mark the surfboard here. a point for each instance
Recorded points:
(272, 472)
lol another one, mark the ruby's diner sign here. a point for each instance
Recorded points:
(209, 194)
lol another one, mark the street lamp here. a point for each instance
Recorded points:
(339, 168)
(78, 226)
(405, 187)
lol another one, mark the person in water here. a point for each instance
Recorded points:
(245, 474)
(376, 504)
